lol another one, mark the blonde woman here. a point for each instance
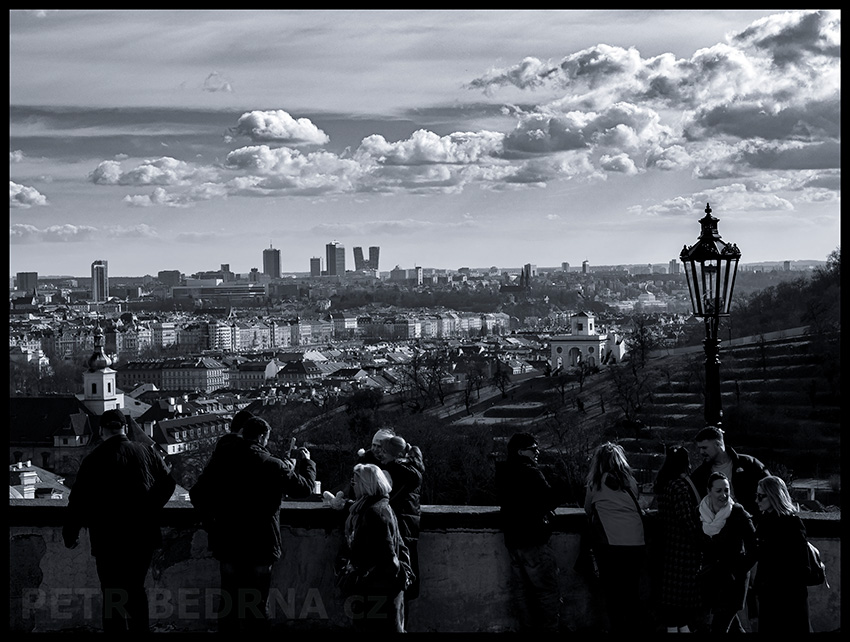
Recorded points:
(371, 549)
(780, 582)
(612, 497)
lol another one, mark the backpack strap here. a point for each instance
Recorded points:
(696, 493)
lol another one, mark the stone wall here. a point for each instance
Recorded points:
(464, 568)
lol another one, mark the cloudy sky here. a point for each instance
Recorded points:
(163, 140)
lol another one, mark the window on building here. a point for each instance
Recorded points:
(94, 388)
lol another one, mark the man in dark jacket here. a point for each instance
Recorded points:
(120, 489)
(742, 471)
(527, 500)
(242, 496)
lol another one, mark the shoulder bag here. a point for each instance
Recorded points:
(816, 572)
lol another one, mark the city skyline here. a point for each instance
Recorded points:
(447, 138)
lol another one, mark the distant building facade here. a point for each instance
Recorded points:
(204, 374)
(585, 345)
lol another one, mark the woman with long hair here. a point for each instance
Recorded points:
(780, 582)
(728, 554)
(676, 549)
(612, 497)
(371, 552)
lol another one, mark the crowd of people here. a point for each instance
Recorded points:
(726, 532)
(722, 531)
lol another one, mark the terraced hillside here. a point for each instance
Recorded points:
(780, 400)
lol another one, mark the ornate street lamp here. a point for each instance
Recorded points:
(710, 267)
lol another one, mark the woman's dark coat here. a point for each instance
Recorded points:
(780, 581)
(726, 561)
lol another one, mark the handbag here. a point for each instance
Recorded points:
(349, 580)
(816, 571)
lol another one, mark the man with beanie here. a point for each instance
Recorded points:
(243, 500)
(527, 500)
(118, 496)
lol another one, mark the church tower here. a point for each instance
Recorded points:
(99, 391)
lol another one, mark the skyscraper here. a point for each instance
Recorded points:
(315, 266)
(674, 266)
(26, 281)
(271, 262)
(335, 259)
(359, 262)
(99, 281)
(374, 253)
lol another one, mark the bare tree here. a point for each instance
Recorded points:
(501, 378)
(474, 378)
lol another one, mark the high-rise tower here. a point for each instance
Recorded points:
(374, 253)
(99, 281)
(335, 259)
(26, 281)
(359, 262)
(271, 262)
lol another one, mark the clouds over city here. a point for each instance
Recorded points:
(539, 115)
(769, 98)
(766, 100)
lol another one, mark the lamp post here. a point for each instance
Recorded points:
(710, 267)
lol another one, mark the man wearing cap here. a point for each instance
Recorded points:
(527, 500)
(742, 471)
(244, 499)
(118, 495)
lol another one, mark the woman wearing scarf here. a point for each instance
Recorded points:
(372, 549)
(728, 554)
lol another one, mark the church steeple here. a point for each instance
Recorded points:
(99, 359)
(99, 390)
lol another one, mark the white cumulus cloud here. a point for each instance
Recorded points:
(279, 126)
(22, 196)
